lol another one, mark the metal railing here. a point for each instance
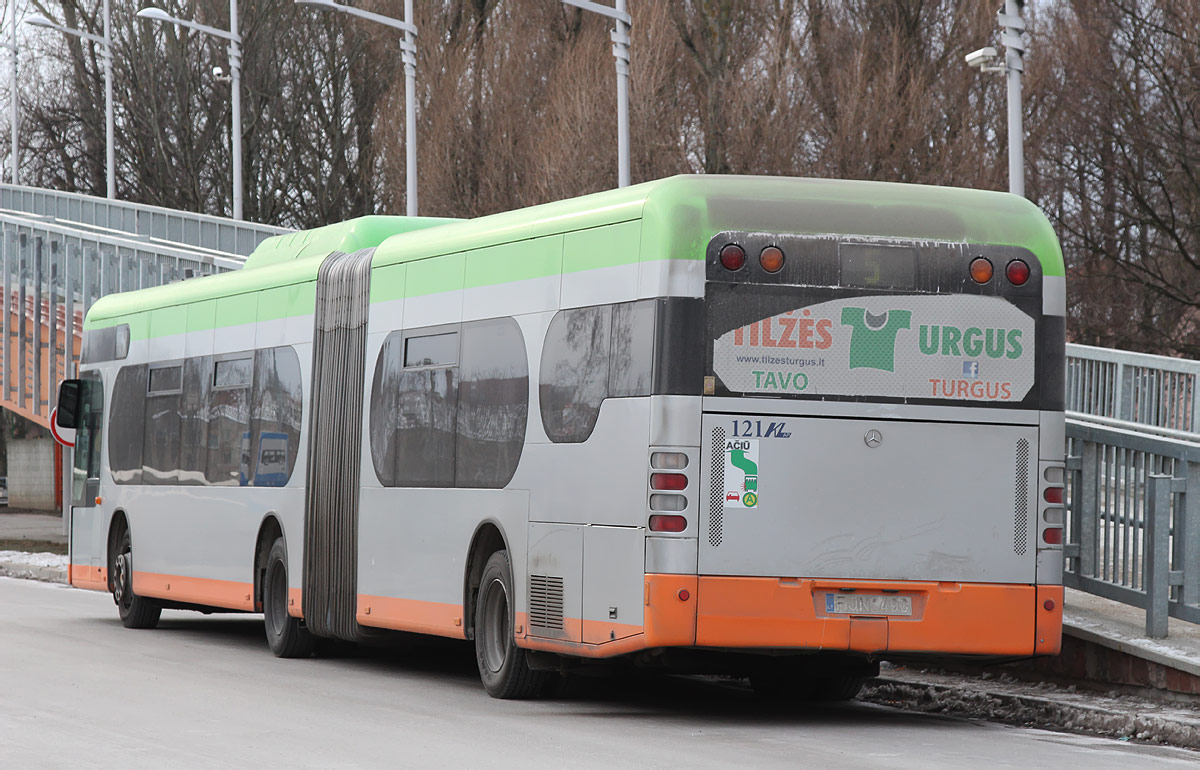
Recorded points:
(1152, 391)
(1133, 519)
(151, 222)
(51, 274)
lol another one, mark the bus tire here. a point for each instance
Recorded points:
(136, 611)
(502, 665)
(287, 637)
(838, 687)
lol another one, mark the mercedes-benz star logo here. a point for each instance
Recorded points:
(873, 438)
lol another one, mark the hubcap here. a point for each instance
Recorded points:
(495, 625)
(121, 588)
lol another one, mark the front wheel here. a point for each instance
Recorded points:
(136, 611)
(287, 637)
(502, 664)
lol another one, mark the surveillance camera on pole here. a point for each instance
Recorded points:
(983, 60)
(1016, 45)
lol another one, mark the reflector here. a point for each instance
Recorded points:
(732, 257)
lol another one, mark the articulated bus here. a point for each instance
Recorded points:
(777, 428)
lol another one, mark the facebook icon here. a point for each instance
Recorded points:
(971, 370)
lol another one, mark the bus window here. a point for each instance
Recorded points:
(229, 420)
(275, 422)
(413, 417)
(193, 419)
(574, 372)
(87, 437)
(126, 425)
(160, 448)
(493, 403)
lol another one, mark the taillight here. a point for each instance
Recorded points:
(1052, 535)
(1017, 272)
(1053, 495)
(771, 259)
(668, 461)
(981, 270)
(732, 257)
(672, 482)
(668, 524)
(667, 502)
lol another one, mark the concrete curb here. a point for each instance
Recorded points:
(31, 572)
(1065, 711)
(1138, 648)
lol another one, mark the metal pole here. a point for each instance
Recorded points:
(6, 242)
(109, 128)
(1012, 27)
(235, 83)
(38, 380)
(1157, 562)
(14, 102)
(409, 55)
(620, 38)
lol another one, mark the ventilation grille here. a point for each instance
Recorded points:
(1021, 515)
(716, 488)
(546, 602)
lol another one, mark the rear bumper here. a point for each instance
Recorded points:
(774, 613)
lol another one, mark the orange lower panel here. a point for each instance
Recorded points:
(954, 618)
(90, 578)
(1049, 620)
(295, 605)
(228, 594)
(411, 615)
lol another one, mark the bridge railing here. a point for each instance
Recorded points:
(1155, 391)
(51, 273)
(152, 222)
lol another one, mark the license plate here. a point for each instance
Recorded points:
(868, 604)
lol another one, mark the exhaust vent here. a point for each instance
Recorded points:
(716, 488)
(546, 602)
(1021, 504)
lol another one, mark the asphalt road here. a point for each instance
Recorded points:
(77, 689)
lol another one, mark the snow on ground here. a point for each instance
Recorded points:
(23, 559)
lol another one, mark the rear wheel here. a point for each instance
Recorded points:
(136, 611)
(502, 665)
(287, 637)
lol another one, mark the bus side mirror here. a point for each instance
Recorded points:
(68, 404)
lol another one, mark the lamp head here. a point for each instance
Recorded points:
(316, 3)
(981, 57)
(155, 14)
(38, 20)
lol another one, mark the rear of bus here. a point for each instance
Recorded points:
(882, 448)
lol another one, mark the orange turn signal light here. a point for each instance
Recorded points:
(981, 270)
(771, 259)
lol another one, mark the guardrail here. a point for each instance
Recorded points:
(1133, 518)
(1157, 391)
(179, 227)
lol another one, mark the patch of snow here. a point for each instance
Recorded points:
(23, 559)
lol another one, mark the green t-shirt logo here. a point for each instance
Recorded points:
(873, 343)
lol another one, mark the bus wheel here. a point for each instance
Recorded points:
(136, 611)
(502, 665)
(287, 637)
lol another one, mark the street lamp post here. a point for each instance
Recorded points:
(105, 43)
(235, 82)
(1012, 29)
(408, 54)
(14, 101)
(620, 38)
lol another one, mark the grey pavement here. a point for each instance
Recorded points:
(31, 525)
(204, 691)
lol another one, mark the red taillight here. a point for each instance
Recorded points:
(732, 257)
(1049, 605)
(667, 523)
(771, 259)
(1052, 536)
(1017, 272)
(981, 270)
(684, 594)
(1053, 495)
(669, 481)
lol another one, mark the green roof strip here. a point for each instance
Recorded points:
(350, 236)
